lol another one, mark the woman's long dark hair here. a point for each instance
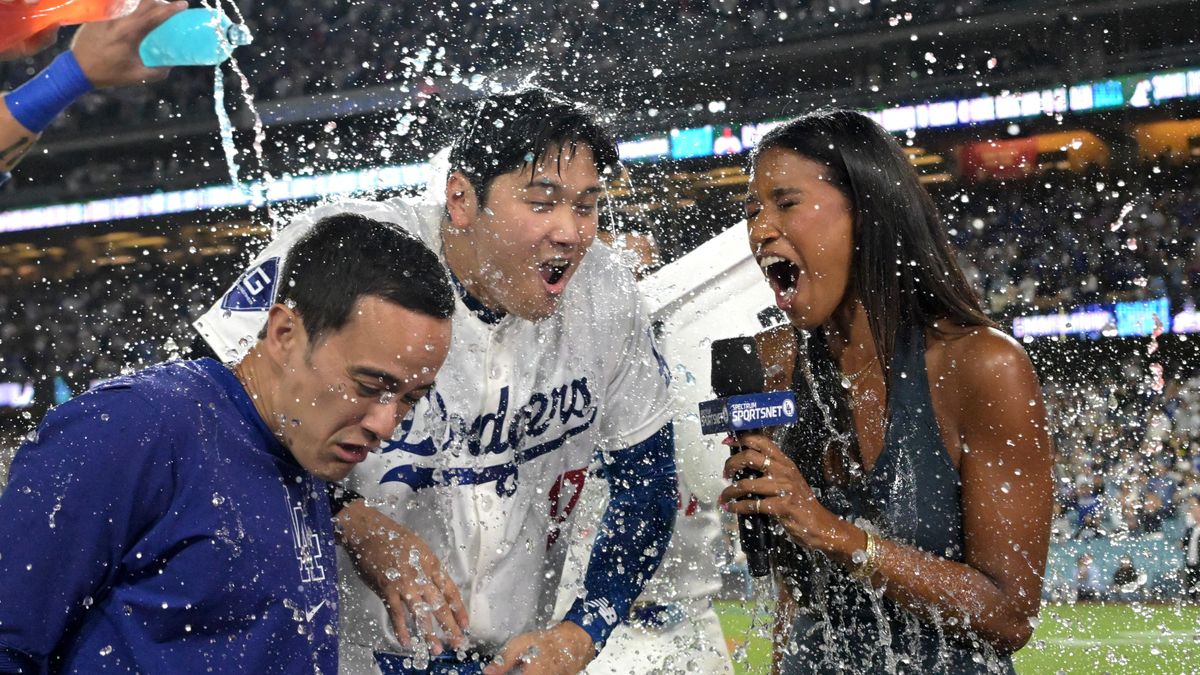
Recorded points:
(903, 269)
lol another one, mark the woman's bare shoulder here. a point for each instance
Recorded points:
(989, 365)
(981, 346)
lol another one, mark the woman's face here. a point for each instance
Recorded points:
(801, 233)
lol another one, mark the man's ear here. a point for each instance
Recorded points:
(462, 204)
(285, 334)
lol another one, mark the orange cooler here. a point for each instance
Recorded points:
(19, 21)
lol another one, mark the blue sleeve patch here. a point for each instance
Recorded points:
(255, 290)
(634, 533)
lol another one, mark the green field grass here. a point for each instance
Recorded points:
(1091, 639)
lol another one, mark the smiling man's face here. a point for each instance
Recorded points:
(529, 237)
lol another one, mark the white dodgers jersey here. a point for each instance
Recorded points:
(713, 292)
(489, 466)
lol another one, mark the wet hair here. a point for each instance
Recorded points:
(511, 130)
(348, 256)
(903, 268)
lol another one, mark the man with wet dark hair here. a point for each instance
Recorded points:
(475, 495)
(510, 131)
(176, 520)
(350, 256)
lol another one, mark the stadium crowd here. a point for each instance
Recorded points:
(1055, 240)
(1061, 239)
(372, 44)
(98, 323)
(1128, 459)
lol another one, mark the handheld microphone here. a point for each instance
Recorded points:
(742, 405)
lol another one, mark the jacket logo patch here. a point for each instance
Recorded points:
(255, 290)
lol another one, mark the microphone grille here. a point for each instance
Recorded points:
(736, 368)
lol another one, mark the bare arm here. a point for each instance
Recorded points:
(785, 616)
(1006, 504)
(15, 140)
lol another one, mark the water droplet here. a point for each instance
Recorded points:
(420, 659)
(106, 650)
(217, 499)
(54, 511)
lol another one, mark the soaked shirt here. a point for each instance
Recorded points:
(911, 496)
(155, 525)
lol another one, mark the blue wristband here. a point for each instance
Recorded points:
(36, 103)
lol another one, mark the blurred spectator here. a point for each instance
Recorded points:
(1088, 584)
(1191, 549)
(1153, 513)
(1126, 581)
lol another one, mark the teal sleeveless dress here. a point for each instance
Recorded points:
(910, 496)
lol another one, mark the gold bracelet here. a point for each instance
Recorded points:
(866, 563)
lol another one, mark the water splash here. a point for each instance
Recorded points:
(255, 190)
(1121, 217)
(226, 126)
(55, 509)
(1157, 383)
(260, 188)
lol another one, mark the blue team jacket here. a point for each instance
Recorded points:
(155, 525)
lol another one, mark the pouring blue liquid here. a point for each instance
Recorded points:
(193, 37)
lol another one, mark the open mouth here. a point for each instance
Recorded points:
(554, 273)
(353, 453)
(782, 274)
